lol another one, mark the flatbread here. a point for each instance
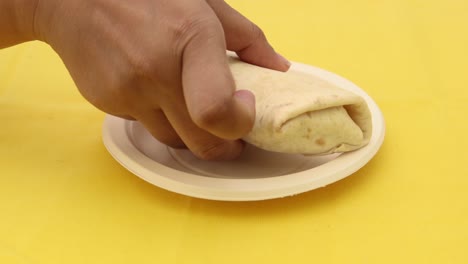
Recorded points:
(302, 113)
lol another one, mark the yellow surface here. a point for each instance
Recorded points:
(63, 199)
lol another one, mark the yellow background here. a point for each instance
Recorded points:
(63, 199)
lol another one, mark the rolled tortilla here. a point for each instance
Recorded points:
(302, 113)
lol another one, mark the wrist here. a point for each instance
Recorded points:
(28, 19)
(18, 19)
(13, 16)
(44, 14)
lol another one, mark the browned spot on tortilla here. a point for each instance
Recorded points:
(309, 114)
(320, 141)
(309, 130)
(306, 136)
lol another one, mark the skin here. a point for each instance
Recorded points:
(161, 62)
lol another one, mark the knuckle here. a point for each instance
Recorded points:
(188, 28)
(120, 97)
(256, 33)
(142, 63)
(192, 26)
(137, 60)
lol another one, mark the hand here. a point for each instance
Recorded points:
(162, 63)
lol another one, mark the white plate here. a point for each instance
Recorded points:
(256, 175)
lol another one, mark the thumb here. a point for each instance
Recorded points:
(209, 87)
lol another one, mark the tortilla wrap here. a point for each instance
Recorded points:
(298, 112)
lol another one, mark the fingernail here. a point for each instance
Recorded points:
(235, 151)
(284, 61)
(247, 97)
(230, 151)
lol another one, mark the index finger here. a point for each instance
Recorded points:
(247, 39)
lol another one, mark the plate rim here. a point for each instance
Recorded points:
(130, 157)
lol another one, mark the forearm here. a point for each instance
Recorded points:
(17, 21)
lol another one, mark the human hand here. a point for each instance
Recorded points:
(162, 63)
